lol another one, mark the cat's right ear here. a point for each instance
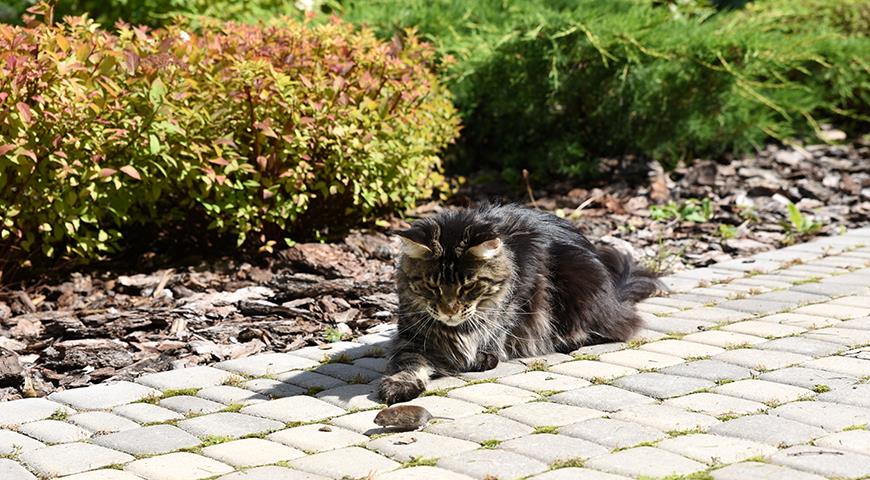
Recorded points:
(412, 248)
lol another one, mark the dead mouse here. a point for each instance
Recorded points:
(404, 417)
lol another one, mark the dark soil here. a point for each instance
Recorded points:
(88, 327)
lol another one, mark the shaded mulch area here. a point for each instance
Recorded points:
(87, 327)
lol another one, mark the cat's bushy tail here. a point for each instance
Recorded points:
(633, 282)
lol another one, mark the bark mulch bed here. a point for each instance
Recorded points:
(86, 328)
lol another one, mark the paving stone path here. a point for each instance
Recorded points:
(756, 368)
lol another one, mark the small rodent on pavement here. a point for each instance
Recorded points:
(405, 417)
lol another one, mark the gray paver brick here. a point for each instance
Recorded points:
(550, 448)
(102, 422)
(352, 462)
(503, 369)
(747, 470)
(589, 369)
(724, 339)
(764, 329)
(273, 388)
(763, 391)
(423, 473)
(352, 397)
(677, 325)
(348, 350)
(840, 312)
(712, 370)
(182, 378)
(792, 297)
(228, 395)
(540, 381)
(824, 461)
(769, 429)
(482, 427)
(294, 409)
(843, 336)
(808, 378)
(574, 473)
(16, 412)
(360, 422)
(855, 367)
(226, 424)
(640, 359)
(69, 458)
(187, 404)
(14, 443)
(103, 396)
(177, 466)
(831, 289)
(409, 445)
(682, 348)
(857, 441)
(11, 470)
(318, 437)
(857, 395)
(251, 452)
(801, 345)
(666, 418)
(54, 431)
(271, 472)
(830, 416)
(649, 461)
(103, 474)
(761, 359)
(266, 364)
(661, 386)
(348, 373)
(800, 320)
(151, 440)
(146, 413)
(307, 380)
(712, 314)
(715, 449)
(751, 305)
(716, 405)
(493, 395)
(498, 464)
(539, 414)
(601, 397)
(612, 433)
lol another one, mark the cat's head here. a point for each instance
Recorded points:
(454, 267)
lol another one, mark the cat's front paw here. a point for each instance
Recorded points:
(400, 387)
(484, 361)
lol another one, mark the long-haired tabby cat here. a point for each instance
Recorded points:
(481, 285)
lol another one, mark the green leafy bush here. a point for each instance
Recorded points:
(553, 85)
(263, 131)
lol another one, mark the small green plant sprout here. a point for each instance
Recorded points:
(420, 462)
(490, 443)
(332, 334)
(60, 414)
(726, 231)
(546, 429)
(799, 224)
(821, 388)
(567, 463)
(537, 366)
(691, 210)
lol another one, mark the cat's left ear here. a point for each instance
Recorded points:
(487, 250)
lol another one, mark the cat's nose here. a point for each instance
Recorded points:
(449, 308)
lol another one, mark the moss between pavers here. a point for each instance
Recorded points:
(546, 429)
(567, 463)
(420, 462)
